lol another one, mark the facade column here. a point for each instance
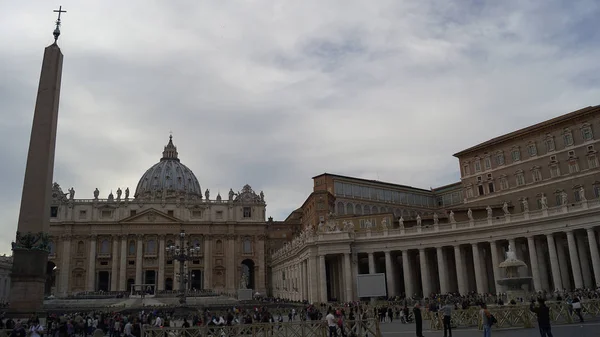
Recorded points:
(348, 276)
(574, 260)
(554, 262)
(114, 278)
(123, 265)
(322, 279)
(477, 267)
(262, 267)
(65, 266)
(460, 271)
(563, 264)
(535, 271)
(231, 270)
(389, 275)
(409, 288)
(207, 259)
(306, 279)
(371, 263)
(139, 259)
(424, 273)
(442, 270)
(584, 259)
(91, 272)
(495, 263)
(161, 262)
(595, 255)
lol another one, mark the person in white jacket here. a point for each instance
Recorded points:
(36, 329)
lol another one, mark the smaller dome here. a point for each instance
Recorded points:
(168, 178)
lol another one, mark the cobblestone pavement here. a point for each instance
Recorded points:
(397, 329)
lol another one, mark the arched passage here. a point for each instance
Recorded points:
(50, 278)
(248, 270)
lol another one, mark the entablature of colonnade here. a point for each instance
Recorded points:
(585, 214)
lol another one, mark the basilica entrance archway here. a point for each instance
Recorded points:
(248, 270)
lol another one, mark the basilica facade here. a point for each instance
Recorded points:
(120, 243)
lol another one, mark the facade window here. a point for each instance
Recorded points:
(197, 214)
(82, 215)
(554, 171)
(104, 247)
(358, 209)
(573, 166)
(532, 150)
(132, 247)
(516, 154)
(586, 132)
(340, 208)
(80, 247)
(349, 209)
(491, 187)
(469, 192)
(247, 212)
(480, 190)
(550, 144)
(219, 215)
(247, 248)
(592, 161)
(537, 175)
(577, 195)
(504, 183)
(500, 158)
(219, 246)
(487, 163)
(568, 138)
(597, 190)
(520, 179)
(477, 165)
(54, 211)
(151, 247)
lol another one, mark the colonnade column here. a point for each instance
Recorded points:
(477, 269)
(424, 273)
(322, 279)
(542, 265)
(207, 259)
(584, 259)
(443, 273)
(161, 262)
(91, 272)
(495, 263)
(406, 270)
(139, 260)
(389, 275)
(306, 279)
(563, 264)
(574, 260)
(595, 255)
(371, 263)
(65, 269)
(535, 271)
(123, 264)
(114, 278)
(348, 276)
(460, 271)
(554, 262)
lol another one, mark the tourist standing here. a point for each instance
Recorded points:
(577, 308)
(447, 312)
(418, 319)
(543, 317)
(331, 323)
(486, 319)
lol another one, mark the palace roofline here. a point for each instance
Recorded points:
(371, 181)
(536, 127)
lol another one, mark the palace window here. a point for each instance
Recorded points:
(520, 177)
(358, 209)
(558, 198)
(577, 194)
(597, 190)
(466, 170)
(592, 161)
(151, 247)
(247, 246)
(554, 171)
(537, 174)
(487, 163)
(532, 150)
(247, 212)
(503, 183)
(477, 164)
(568, 138)
(480, 190)
(349, 209)
(340, 208)
(516, 154)
(469, 192)
(550, 143)
(491, 187)
(54, 211)
(500, 158)
(367, 209)
(105, 247)
(586, 132)
(573, 166)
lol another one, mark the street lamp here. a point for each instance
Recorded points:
(182, 253)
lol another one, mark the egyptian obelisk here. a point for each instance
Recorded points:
(30, 249)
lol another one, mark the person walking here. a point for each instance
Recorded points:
(543, 317)
(486, 319)
(447, 312)
(418, 319)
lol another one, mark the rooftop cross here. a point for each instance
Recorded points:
(56, 32)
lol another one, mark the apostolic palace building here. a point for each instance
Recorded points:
(536, 189)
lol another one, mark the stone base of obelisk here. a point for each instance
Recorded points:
(244, 294)
(28, 279)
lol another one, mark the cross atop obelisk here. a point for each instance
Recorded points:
(57, 29)
(31, 245)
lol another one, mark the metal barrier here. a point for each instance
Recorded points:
(369, 327)
(515, 316)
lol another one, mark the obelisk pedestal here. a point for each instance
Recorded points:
(30, 249)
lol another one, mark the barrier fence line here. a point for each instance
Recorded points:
(515, 316)
(367, 328)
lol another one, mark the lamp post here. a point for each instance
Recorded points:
(182, 253)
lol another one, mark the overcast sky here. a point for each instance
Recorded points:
(272, 93)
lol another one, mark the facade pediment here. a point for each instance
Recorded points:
(150, 216)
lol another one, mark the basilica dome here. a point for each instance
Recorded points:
(168, 179)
